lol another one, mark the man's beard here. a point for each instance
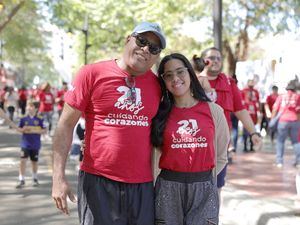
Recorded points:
(214, 73)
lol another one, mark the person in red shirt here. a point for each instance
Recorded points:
(269, 108)
(2, 99)
(22, 99)
(193, 135)
(251, 101)
(119, 98)
(227, 96)
(60, 97)
(288, 105)
(46, 99)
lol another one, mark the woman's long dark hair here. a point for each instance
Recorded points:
(167, 102)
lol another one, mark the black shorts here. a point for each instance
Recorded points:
(102, 201)
(32, 153)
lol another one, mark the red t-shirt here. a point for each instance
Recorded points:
(188, 140)
(251, 102)
(228, 95)
(271, 100)
(46, 101)
(117, 132)
(22, 95)
(60, 94)
(289, 104)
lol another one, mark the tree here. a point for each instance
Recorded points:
(25, 39)
(244, 19)
(9, 13)
(110, 21)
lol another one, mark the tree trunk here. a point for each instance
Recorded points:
(11, 15)
(231, 58)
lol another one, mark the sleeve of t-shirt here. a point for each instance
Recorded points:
(298, 104)
(79, 93)
(237, 98)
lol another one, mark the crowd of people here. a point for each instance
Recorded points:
(189, 112)
(26, 111)
(14, 101)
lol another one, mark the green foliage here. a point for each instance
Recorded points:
(111, 21)
(25, 41)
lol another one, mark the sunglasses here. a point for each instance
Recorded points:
(130, 83)
(214, 58)
(142, 42)
(169, 76)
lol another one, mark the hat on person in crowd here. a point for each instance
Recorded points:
(151, 27)
(291, 86)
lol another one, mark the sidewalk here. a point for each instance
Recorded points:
(259, 193)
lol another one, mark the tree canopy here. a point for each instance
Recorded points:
(109, 22)
(25, 41)
(243, 22)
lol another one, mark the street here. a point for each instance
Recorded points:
(30, 205)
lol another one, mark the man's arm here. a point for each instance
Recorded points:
(7, 120)
(61, 145)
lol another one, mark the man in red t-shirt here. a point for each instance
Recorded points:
(60, 98)
(228, 97)
(119, 98)
(22, 99)
(250, 98)
(46, 100)
(271, 99)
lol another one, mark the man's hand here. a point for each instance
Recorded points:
(256, 140)
(60, 192)
(82, 147)
(205, 83)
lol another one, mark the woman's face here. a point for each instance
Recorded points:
(177, 78)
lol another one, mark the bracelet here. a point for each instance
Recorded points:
(255, 133)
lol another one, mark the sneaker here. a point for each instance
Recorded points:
(35, 183)
(21, 184)
(279, 165)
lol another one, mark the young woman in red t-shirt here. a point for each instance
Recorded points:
(193, 135)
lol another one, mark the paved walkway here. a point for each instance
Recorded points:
(30, 205)
(257, 193)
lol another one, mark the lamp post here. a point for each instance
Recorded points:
(217, 18)
(62, 47)
(85, 31)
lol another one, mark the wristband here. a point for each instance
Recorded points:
(255, 133)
